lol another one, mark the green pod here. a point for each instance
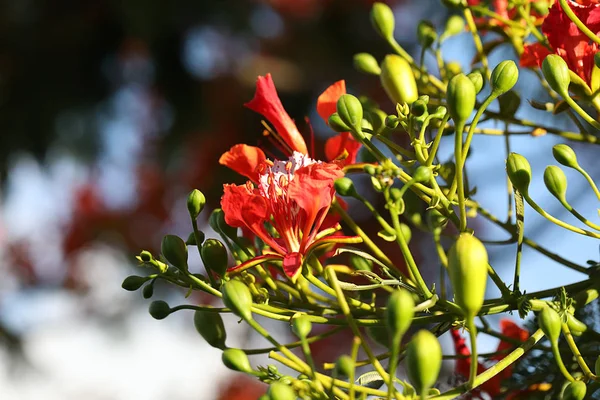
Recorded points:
(210, 326)
(398, 80)
(576, 327)
(237, 297)
(422, 174)
(477, 80)
(133, 282)
(214, 256)
(350, 111)
(519, 172)
(159, 309)
(195, 203)
(575, 391)
(344, 366)
(366, 63)
(236, 360)
(468, 271)
(382, 18)
(175, 251)
(426, 34)
(281, 391)
(504, 77)
(556, 182)
(454, 25)
(461, 96)
(301, 326)
(423, 360)
(399, 312)
(345, 187)
(565, 155)
(550, 323)
(556, 72)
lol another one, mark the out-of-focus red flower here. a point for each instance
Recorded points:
(243, 388)
(566, 39)
(493, 387)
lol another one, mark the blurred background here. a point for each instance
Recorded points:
(112, 111)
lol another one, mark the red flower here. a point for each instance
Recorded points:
(567, 40)
(493, 387)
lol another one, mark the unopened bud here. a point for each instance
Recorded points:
(454, 25)
(477, 80)
(400, 312)
(175, 251)
(344, 366)
(237, 297)
(556, 72)
(210, 326)
(336, 123)
(550, 323)
(195, 203)
(382, 18)
(236, 360)
(133, 282)
(398, 80)
(281, 391)
(565, 155)
(423, 360)
(541, 7)
(345, 187)
(159, 309)
(422, 174)
(461, 96)
(148, 290)
(504, 77)
(556, 182)
(575, 391)
(406, 232)
(214, 256)
(301, 326)
(519, 172)
(426, 34)
(350, 111)
(365, 62)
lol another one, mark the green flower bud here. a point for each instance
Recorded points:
(423, 360)
(556, 72)
(406, 232)
(575, 391)
(195, 203)
(369, 169)
(214, 256)
(461, 97)
(344, 366)
(550, 323)
(477, 80)
(366, 63)
(576, 326)
(454, 25)
(453, 68)
(398, 80)
(556, 182)
(148, 290)
(335, 123)
(236, 360)
(565, 155)
(350, 111)
(541, 7)
(281, 391)
(175, 251)
(519, 172)
(133, 283)
(504, 77)
(301, 326)
(400, 312)
(422, 174)
(426, 34)
(210, 326)
(468, 270)
(345, 187)
(382, 18)
(391, 121)
(360, 264)
(159, 309)
(237, 297)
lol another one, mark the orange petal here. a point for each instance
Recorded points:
(326, 103)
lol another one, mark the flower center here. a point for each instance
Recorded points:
(276, 177)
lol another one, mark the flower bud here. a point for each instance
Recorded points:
(301, 326)
(237, 297)
(236, 360)
(214, 256)
(556, 72)
(210, 326)
(359, 263)
(423, 360)
(344, 366)
(426, 34)
(148, 290)
(461, 97)
(556, 182)
(400, 312)
(550, 323)
(350, 111)
(504, 77)
(195, 203)
(345, 187)
(335, 123)
(406, 232)
(453, 68)
(541, 7)
(519, 172)
(575, 391)
(191, 240)
(175, 251)
(454, 25)
(422, 174)
(391, 121)
(398, 80)
(477, 80)
(159, 309)
(565, 155)
(468, 270)
(382, 18)
(366, 63)
(575, 326)
(281, 391)
(133, 282)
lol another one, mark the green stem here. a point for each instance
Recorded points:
(458, 176)
(589, 179)
(354, 355)
(470, 323)
(559, 362)
(580, 111)
(395, 347)
(477, 40)
(575, 350)
(580, 217)
(520, 209)
(436, 140)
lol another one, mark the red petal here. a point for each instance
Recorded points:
(234, 202)
(533, 55)
(244, 160)
(292, 265)
(266, 102)
(337, 145)
(326, 103)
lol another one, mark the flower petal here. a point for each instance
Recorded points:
(244, 160)
(326, 103)
(340, 144)
(292, 265)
